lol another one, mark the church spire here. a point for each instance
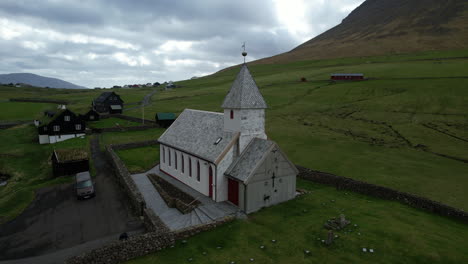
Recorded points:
(244, 93)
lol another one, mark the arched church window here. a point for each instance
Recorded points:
(183, 166)
(232, 114)
(190, 166)
(198, 170)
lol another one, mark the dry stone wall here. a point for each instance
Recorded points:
(343, 183)
(121, 251)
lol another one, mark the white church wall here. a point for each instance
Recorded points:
(232, 125)
(168, 165)
(252, 125)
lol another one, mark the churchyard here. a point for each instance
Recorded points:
(405, 128)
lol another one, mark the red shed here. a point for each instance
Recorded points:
(347, 76)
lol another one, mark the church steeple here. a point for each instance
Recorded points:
(244, 93)
(244, 108)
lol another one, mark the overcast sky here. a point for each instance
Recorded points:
(100, 43)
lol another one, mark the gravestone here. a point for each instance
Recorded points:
(330, 237)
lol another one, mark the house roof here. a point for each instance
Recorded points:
(347, 74)
(166, 116)
(196, 132)
(253, 154)
(103, 97)
(244, 92)
(66, 155)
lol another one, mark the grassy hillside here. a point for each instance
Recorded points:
(381, 26)
(392, 129)
(396, 233)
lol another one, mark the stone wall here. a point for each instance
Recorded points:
(33, 100)
(121, 251)
(130, 118)
(191, 231)
(151, 221)
(139, 144)
(343, 183)
(173, 196)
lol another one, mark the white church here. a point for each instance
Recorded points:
(227, 156)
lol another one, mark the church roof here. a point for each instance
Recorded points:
(253, 154)
(244, 92)
(198, 132)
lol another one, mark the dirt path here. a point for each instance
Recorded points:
(56, 220)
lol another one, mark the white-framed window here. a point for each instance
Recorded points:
(78, 126)
(67, 118)
(56, 128)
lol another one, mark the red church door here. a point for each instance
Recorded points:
(233, 191)
(210, 184)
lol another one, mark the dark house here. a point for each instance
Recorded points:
(62, 126)
(347, 76)
(91, 115)
(165, 119)
(108, 102)
(69, 161)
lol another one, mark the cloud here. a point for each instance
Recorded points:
(115, 42)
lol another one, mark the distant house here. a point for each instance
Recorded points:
(108, 102)
(165, 119)
(62, 126)
(69, 161)
(170, 85)
(347, 76)
(91, 115)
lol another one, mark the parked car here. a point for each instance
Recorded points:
(84, 185)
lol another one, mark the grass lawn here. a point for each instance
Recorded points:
(139, 160)
(397, 234)
(112, 122)
(28, 163)
(17, 111)
(365, 130)
(130, 136)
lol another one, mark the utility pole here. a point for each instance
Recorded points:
(143, 107)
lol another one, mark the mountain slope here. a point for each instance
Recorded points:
(380, 27)
(37, 80)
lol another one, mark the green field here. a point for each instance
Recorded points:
(28, 162)
(396, 233)
(16, 111)
(80, 100)
(365, 130)
(139, 160)
(130, 136)
(112, 122)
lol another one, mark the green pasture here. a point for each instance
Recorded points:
(112, 122)
(17, 111)
(130, 136)
(396, 233)
(139, 160)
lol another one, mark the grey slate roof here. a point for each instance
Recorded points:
(347, 74)
(249, 159)
(196, 132)
(244, 92)
(103, 97)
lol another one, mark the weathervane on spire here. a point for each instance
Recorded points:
(244, 53)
